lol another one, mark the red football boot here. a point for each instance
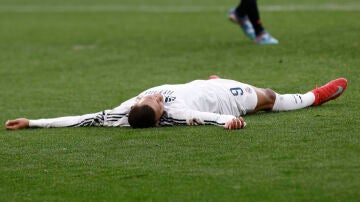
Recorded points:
(214, 77)
(329, 91)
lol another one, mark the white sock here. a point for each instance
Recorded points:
(287, 102)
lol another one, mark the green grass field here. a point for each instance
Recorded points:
(61, 58)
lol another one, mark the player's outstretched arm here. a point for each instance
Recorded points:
(17, 124)
(234, 124)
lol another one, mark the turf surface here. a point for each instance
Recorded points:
(74, 57)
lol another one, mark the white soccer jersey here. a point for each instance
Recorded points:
(213, 102)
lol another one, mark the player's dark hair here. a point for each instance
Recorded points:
(142, 117)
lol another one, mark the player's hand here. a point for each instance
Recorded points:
(235, 124)
(16, 124)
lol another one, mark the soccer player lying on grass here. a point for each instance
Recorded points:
(215, 101)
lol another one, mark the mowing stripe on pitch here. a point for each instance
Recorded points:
(170, 9)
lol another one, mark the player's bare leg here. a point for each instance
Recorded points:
(266, 99)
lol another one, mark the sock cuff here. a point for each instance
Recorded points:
(276, 103)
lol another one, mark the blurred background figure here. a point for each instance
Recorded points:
(246, 14)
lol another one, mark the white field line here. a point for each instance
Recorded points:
(170, 9)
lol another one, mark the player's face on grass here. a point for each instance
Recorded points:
(156, 102)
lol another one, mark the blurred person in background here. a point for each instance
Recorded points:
(247, 16)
